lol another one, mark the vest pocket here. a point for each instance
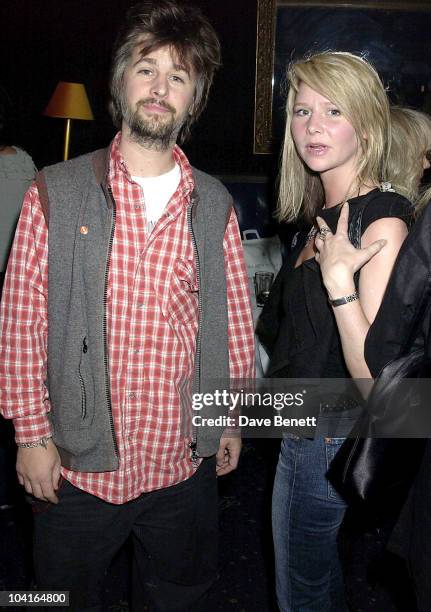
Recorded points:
(76, 402)
(81, 375)
(83, 398)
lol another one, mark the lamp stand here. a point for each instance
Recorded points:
(66, 139)
(69, 101)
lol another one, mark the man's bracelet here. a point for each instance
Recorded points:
(42, 442)
(346, 299)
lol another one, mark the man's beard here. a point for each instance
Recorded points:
(152, 132)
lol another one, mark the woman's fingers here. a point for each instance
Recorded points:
(322, 234)
(364, 255)
(27, 486)
(343, 220)
(323, 228)
(342, 225)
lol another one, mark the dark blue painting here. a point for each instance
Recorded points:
(397, 41)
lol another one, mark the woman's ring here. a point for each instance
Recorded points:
(323, 231)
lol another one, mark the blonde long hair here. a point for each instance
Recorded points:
(354, 86)
(410, 139)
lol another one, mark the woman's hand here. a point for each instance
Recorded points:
(338, 258)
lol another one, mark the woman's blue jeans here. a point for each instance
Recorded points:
(306, 515)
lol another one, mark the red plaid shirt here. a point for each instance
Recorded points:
(152, 315)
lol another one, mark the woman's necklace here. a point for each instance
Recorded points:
(349, 195)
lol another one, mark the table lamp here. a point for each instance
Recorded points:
(69, 101)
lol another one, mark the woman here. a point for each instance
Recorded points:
(409, 153)
(335, 150)
(17, 171)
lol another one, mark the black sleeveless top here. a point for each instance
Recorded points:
(297, 325)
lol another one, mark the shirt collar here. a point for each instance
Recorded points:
(117, 165)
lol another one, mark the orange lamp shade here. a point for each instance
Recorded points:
(69, 101)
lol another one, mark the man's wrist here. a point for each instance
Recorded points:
(31, 428)
(41, 442)
(232, 432)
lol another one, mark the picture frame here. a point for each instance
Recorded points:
(393, 35)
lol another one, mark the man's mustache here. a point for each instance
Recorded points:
(161, 103)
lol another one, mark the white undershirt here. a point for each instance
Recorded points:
(158, 190)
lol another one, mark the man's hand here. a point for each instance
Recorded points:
(38, 470)
(228, 455)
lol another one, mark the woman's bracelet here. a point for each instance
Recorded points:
(344, 300)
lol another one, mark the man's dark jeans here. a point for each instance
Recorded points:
(175, 542)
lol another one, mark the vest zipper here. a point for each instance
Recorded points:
(81, 380)
(105, 339)
(193, 443)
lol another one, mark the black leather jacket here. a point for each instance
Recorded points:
(406, 300)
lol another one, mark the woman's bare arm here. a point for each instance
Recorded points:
(339, 260)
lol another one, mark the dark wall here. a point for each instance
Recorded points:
(44, 42)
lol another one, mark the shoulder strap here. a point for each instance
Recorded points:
(99, 163)
(198, 177)
(355, 231)
(228, 213)
(43, 195)
(355, 223)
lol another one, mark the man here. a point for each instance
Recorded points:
(140, 306)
